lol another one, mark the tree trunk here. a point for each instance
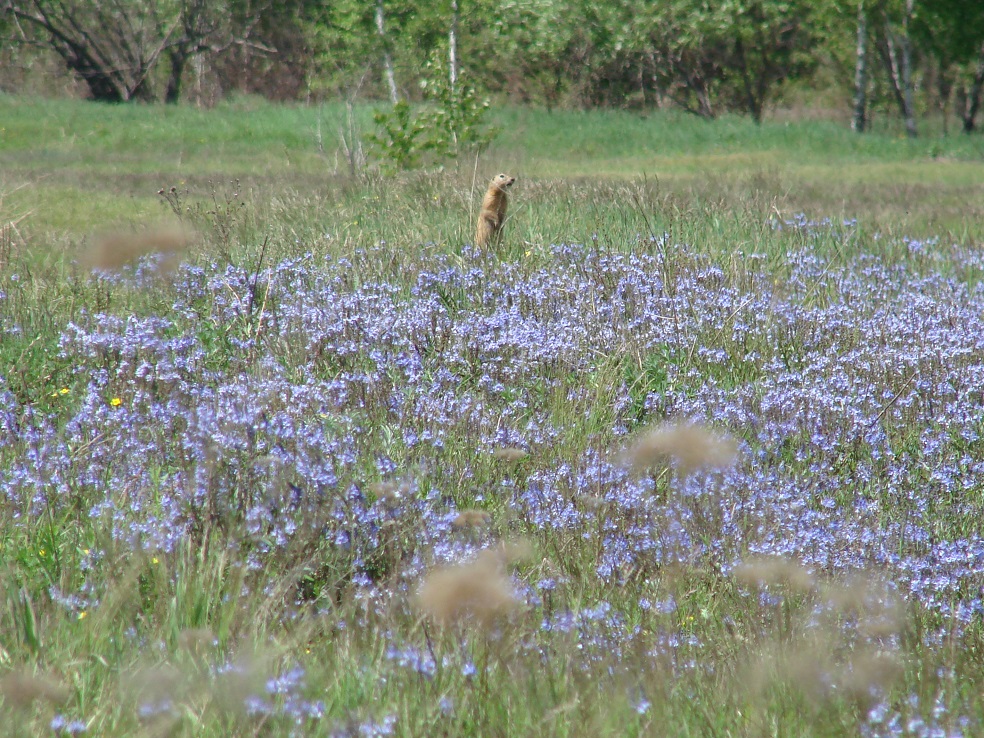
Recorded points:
(387, 59)
(112, 57)
(752, 104)
(104, 86)
(968, 111)
(897, 55)
(859, 121)
(909, 110)
(101, 89)
(453, 47)
(944, 90)
(179, 60)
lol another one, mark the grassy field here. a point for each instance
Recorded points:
(68, 168)
(697, 451)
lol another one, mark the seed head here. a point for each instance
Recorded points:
(197, 640)
(114, 250)
(690, 446)
(470, 519)
(868, 673)
(21, 689)
(479, 591)
(510, 454)
(776, 571)
(390, 492)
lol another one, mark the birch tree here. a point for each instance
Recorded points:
(895, 48)
(859, 118)
(387, 56)
(453, 47)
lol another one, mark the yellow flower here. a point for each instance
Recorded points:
(42, 552)
(116, 402)
(82, 615)
(63, 391)
(155, 560)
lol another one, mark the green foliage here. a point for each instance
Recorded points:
(730, 55)
(952, 29)
(450, 124)
(523, 50)
(403, 138)
(344, 45)
(701, 57)
(457, 116)
(648, 377)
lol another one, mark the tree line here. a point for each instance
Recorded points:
(904, 58)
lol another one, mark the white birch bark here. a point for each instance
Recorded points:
(859, 121)
(909, 108)
(453, 47)
(387, 59)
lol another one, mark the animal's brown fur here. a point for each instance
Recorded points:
(493, 213)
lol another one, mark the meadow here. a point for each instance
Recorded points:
(697, 451)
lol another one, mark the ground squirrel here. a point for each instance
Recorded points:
(493, 213)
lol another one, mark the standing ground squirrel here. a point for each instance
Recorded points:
(493, 213)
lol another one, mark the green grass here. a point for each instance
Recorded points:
(71, 167)
(204, 625)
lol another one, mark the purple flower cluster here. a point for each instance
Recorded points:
(272, 405)
(60, 725)
(283, 698)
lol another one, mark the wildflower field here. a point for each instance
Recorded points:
(678, 460)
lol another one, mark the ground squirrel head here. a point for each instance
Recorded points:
(503, 181)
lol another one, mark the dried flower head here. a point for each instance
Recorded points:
(869, 673)
(479, 590)
(775, 571)
(691, 446)
(21, 689)
(510, 453)
(511, 553)
(390, 492)
(813, 668)
(197, 640)
(470, 519)
(874, 607)
(239, 680)
(113, 250)
(591, 502)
